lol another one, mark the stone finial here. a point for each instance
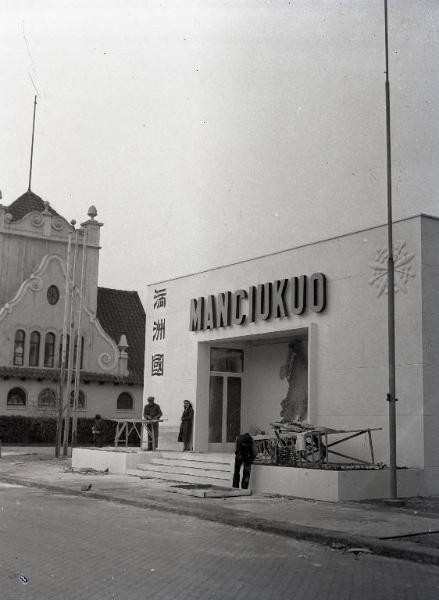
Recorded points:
(8, 217)
(123, 356)
(123, 343)
(92, 212)
(92, 227)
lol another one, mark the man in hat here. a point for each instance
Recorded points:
(152, 413)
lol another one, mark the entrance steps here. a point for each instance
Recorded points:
(187, 467)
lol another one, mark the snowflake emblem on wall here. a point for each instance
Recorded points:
(403, 268)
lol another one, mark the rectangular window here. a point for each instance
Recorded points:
(49, 350)
(215, 409)
(34, 349)
(20, 337)
(233, 408)
(225, 360)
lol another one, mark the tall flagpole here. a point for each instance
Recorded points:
(390, 283)
(63, 349)
(32, 146)
(70, 354)
(78, 338)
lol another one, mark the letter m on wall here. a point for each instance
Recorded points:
(196, 321)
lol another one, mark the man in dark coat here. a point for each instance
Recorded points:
(245, 453)
(152, 412)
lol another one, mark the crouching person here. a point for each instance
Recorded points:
(245, 454)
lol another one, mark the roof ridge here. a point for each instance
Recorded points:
(100, 287)
(27, 203)
(122, 312)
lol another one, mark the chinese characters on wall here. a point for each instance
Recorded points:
(160, 298)
(157, 364)
(158, 331)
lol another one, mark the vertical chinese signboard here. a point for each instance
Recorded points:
(158, 331)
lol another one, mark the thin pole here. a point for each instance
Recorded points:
(32, 145)
(70, 357)
(63, 351)
(390, 283)
(78, 344)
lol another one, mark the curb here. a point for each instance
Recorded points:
(402, 550)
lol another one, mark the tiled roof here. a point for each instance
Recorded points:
(27, 203)
(121, 312)
(53, 375)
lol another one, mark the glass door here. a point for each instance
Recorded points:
(226, 368)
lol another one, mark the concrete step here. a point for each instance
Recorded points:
(194, 464)
(163, 469)
(181, 477)
(187, 467)
(222, 458)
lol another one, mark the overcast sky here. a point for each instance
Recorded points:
(207, 132)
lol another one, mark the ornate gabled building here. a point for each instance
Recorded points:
(34, 242)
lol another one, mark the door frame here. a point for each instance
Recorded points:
(224, 446)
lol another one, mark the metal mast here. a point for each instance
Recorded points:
(70, 354)
(32, 146)
(63, 350)
(390, 282)
(78, 338)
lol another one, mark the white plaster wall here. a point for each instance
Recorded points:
(302, 483)
(350, 380)
(430, 315)
(96, 458)
(25, 243)
(180, 368)
(21, 257)
(358, 485)
(263, 389)
(334, 486)
(33, 259)
(32, 312)
(100, 399)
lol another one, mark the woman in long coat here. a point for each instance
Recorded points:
(187, 419)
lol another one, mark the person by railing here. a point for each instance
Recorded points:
(152, 413)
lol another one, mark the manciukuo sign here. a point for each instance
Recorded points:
(277, 299)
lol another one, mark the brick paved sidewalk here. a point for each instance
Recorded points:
(411, 532)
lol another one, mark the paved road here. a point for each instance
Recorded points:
(84, 549)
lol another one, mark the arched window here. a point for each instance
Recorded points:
(49, 350)
(34, 349)
(125, 401)
(47, 398)
(81, 399)
(16, 397)
(20, 338)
